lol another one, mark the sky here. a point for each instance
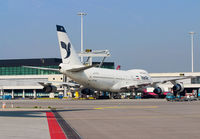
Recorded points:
(145, 34)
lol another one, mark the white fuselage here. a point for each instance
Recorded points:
(109, 79)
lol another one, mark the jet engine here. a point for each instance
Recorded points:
(50, 88)
(158, 90)
(178, 87)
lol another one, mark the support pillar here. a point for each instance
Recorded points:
(65, 91)
(2, 91)
(23, 95)
(12, 94)
(65, 87)
(34, 94)
(90, 61)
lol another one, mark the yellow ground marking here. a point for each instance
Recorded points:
(116, 117)
(127, 107)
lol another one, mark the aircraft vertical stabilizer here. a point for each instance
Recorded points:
(68, 53)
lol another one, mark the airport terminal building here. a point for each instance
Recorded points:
(21, 82)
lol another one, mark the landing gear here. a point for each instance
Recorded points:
(111, 95)
(132, 95)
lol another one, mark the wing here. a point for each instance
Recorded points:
(133, 86)
(172, 80)
(68, 84)
(141, 85)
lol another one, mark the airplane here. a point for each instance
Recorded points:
(101, 79)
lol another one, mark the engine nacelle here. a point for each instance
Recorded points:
(158, 90)
(178, 87)
(50, 88)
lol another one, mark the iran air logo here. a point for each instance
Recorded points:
(67, 48)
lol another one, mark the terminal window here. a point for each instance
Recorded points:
(195, 80)
(26, 71)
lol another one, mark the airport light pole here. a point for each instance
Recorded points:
(192, 49)
(82, 14)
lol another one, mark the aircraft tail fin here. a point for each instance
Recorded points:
(118, 67)
(68, 53)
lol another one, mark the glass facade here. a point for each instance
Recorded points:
(28, 93)
(107, 65)
(195, 80)
(15, 66)
(26, 71)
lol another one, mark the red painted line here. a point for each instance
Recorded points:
(54, 128)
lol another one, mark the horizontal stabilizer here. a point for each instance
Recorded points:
(81, 68)
(59, 83)
(50, 69)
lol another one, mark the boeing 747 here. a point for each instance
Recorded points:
(100, 79)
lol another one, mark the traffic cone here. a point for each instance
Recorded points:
(4, 105)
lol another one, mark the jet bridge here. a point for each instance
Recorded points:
(94, 53)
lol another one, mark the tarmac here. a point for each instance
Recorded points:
(23, 124)
(95, 119)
